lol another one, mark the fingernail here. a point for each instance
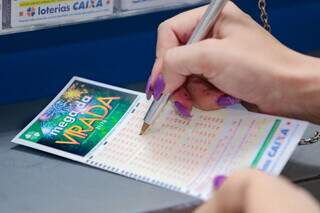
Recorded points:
(148, 89)
(182, 110)
(218, 181)
(226, 100)
(158, 87)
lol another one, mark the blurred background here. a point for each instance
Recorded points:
(121, 51)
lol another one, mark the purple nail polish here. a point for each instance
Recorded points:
(158, 87)
(226, 100)
(182, 110)
(148, 89)
(218, 181)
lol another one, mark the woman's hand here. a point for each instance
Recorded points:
(238, 60)
(252, 192)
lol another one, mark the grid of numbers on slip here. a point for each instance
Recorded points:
(215, 130)
(159, 154)
(178, 151)
(179, 161)
(123, 144)
(193, 148)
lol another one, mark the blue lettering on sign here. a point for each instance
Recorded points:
(79, 5)
(82, 5)
(53, 10)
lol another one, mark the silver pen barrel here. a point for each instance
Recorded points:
(155, 109)
(207, 21)
(205, 25)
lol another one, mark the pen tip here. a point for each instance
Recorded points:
(144, 128)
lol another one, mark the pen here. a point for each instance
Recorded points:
(208, 19)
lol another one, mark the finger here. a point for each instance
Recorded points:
(182, 102)
(204, 96)
(253, 191)
(229, 21)
(177, 30)
(194, 59)
(154, 73)
(172, 33)
(236, 189)
(231, 195)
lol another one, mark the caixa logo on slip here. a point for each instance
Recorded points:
(276, 146)
(279, 141)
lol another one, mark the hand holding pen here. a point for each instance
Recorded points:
(200, 31)
(237, 60)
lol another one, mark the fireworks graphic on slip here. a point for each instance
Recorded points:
(74, 92)
(65, 104)
(46, 128)
(58, 108)
(45, 116)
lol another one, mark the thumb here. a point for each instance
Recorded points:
(194, 59)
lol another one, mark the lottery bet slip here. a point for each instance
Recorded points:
(98, 124)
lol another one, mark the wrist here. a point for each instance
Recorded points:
(303, 90)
